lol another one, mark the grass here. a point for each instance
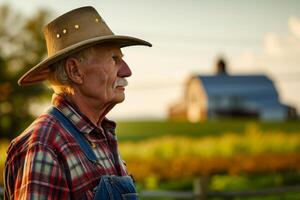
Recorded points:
(224, 182)
(228, 183)
(253, 142)
(142, 130)
(165, 140)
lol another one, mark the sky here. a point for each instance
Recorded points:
(255, 37)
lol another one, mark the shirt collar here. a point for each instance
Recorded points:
(82, 122)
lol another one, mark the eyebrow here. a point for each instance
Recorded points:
(117, 54)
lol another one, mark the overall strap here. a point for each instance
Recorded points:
(65, 122)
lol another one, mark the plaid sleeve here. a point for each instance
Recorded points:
(42, 176)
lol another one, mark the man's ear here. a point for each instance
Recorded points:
(74, 72)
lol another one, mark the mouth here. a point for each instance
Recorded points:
(120, 84)
(121, 88)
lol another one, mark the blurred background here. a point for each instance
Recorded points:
(211, 109)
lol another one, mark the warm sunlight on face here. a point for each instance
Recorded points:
(104, 73)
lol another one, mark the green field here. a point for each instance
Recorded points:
(253, 134)
(149, 147)
(140, 130)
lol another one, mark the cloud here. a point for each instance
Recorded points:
(280, 59)
(277, 48)
(272, 44)
(294, 25)
(282, 46)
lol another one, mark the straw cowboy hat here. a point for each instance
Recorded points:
(75, 30)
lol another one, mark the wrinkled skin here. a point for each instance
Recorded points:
(94, 80)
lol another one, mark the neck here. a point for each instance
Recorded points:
(90, 107)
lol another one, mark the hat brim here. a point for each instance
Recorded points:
(40, 71)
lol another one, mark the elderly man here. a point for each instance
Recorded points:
(70, 152)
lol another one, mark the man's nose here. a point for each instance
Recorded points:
(124, 70)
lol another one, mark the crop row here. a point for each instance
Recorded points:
(253, 142)
(187, 167)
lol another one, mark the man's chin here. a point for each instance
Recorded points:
(120, 98)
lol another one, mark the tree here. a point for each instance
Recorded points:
(21, 47)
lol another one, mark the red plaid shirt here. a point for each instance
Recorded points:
(45, 161)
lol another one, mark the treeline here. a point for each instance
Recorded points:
(21, 47)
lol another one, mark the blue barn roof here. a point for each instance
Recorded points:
(256, 90)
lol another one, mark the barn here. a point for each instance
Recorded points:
(223, 95)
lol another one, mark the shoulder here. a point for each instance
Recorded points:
(45, 131)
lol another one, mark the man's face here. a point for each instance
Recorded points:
(104, 71)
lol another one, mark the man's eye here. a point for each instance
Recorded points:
(115, 58)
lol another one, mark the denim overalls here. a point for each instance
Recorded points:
(111, 187)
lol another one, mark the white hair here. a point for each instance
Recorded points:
(58, 78)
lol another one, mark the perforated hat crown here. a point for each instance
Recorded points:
(71, 32)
